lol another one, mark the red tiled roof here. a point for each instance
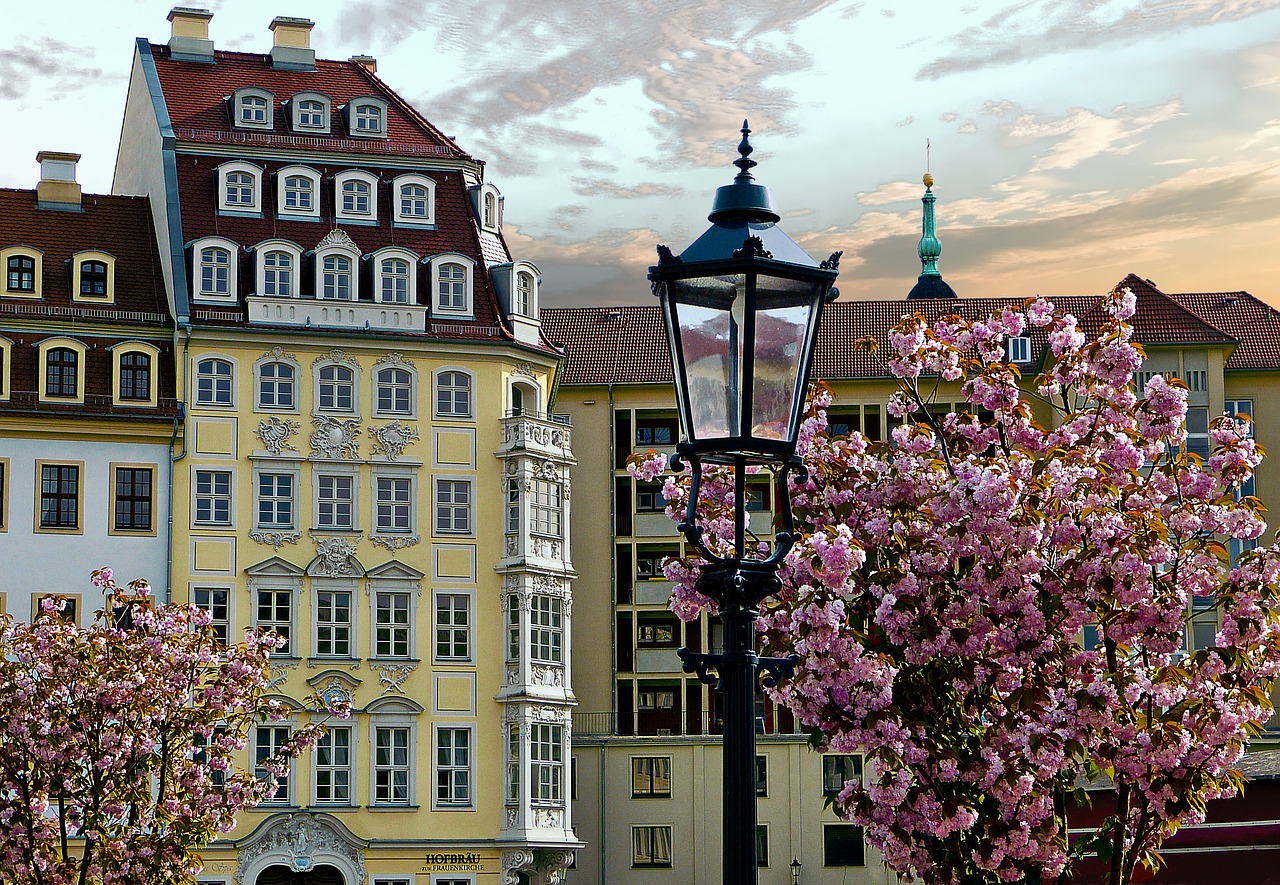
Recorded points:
(626, 345)
(195, 94)
(1255, 324)
(119, 226)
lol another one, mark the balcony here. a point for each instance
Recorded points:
(535, 435)
(312, 313)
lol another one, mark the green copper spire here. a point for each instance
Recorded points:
(930, 248)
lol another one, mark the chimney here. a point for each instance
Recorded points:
(368, 62)
(190, 38)
(291, 44)
(58, 188)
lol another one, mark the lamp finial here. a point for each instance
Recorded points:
(744, 162)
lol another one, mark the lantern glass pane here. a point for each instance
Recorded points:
(785, 308)
(711, 339)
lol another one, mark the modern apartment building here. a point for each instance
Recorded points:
(367, 463)
(88, 412)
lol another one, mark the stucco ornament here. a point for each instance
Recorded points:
(300, 842)
(392, 676)
(275, 433)
(394, 542)
(338, 237)
(335, 558)
(335, 437)
(275, 539)
(514, 862)
(392, 438)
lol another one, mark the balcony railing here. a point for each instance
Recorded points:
(594, 724)
(534, 433)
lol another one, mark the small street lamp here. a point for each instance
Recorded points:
(741, 306)
(795, 871)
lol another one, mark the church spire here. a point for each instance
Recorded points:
(930, 284)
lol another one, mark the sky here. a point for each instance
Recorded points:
(1071, 141)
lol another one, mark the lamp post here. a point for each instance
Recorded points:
(741, 307)
(795, 871)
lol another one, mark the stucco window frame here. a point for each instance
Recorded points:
(260, 252)
(43, 348)
(399, 218)
(238, 104)
(468, 264)
(232, 249)
(118, 352)
(255, 172)
(295, 112)
(77, 261)
(25, 251)
(352, 217)
(284, 211)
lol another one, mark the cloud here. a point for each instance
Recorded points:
(968, 128)
(53, 64)
(1036, 28)
(894, 192)
(949, 117)
(1082, 134)
(597, 187)
(1267, 133)
(905, 121)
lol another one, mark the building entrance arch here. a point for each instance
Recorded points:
(279, 874)
(303, 848)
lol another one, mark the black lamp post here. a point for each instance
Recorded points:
(741, 306)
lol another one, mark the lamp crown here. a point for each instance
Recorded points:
(744, 162)
(744, 199)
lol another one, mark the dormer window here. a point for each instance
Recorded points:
(336, 278)
(523, 304)
(451, 283)
(486, 202)
(214, 262)
(415, 199)
(240, 188)
(310, 112)
(251, 108)
(22, 267)
(93, 277)
(395, 280)
(298, 192)
(355, 197)
(367, 117)
(490, 219)
(277, 266)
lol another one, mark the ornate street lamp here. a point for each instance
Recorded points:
(741, 306)
(795, 871)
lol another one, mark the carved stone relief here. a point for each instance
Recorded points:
(275, 433)
(275, 539)
(297, 841)
(392, 676)
(392, 438)
(335, 437)
(335, 557)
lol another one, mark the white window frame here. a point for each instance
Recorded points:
(435, 394)
(228, 618)
(438, 804)
(410, 503)
(266, 247)
(197, 270)
(320, 409)
(238, 105)
(322, 585)
(276, 409)
(488, 208)
(254, 206)
(213, 496)
(352, 112)
(282, 176)
(378, 385)
(276, 468)
(410, 628)
(339, 183)
(351, 768)
(469, 627)
(1019, 350)
(291, 779)
(554, 768)
(295, 112)
(436, 489)
(550, 632)
(381, 721)
(352, 257)
(411, 270)
(468, 264)
(197, 376)
(546, 516)
(524, 301)
(399, 217)
(292, 624)
(335, 471)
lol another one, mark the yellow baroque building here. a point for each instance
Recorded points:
(368, 465)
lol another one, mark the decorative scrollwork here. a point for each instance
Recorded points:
(392, 676)
(336, 437)
(275, 539)
(706, 666)
(752, 247)
(393, 359)
(394, 542)
(392, 438)
(771, 671)
(275, 432)
(832, 263)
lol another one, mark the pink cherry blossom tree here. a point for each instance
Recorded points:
(993, 606)
(121, 744)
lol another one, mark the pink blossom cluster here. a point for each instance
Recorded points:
(122, 744)
(994, 603)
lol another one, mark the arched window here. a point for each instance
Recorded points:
(215, 270)
(414, 201)
(276, 386)
(453, 287)
(93, 278)
(213, 382)
(277, 273)
(253, 109)
(311, 114)
(453, 395)
(336, 278)
(135, 376)
(395, 281)
(240, 189)
(22, 273)
(60, 367)
(355, 197)
(395, 392)
(299, 193)
(490, 211)
(524, 294)
(337, 391)
(368, 118)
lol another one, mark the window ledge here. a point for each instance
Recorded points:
(333, 807)
(240, 213)
(417, 225)
(365, 222)
(289, 216)
(385, 808)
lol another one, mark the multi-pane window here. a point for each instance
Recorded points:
(513, 505)
(335, 282)
(213, 497)
(93, 278)
(394, 505)
(21, 274)
(395, 281)
(135, 376)
(1198, 430)
(391, 765)
(391, 624)
(453, 395)
(453, 506)
(490, 211)
(655, 699)
(1241, 409)
(333, 623)
(1019, 349)
(61, 372)
(395, 391)
(253, 109)
(453, 287)
(842, 846)
(656, 633)
(64, 607)
(239, 189)
(513, 764)
(546, 515)
(275, 612)
(453, 627)
(649, 499)
(837, 770)
(59, 496)
(337, 391)
(333, 766)
(524, 294)
(335, 502)
(513, 633)
(546, 630)
(311, 114)
(277, 273)
(200, 746)
(453, 766)
(215, 271)
(215, 601)
(762, 775)
(651, 776)
(415, 201)
(651, 846)
(299, 192)
(213, 382)
(133, 496)
(655, 431)
(546, 761)
(267, 741)
(355, 197)
(275, 386)
(368, 118)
